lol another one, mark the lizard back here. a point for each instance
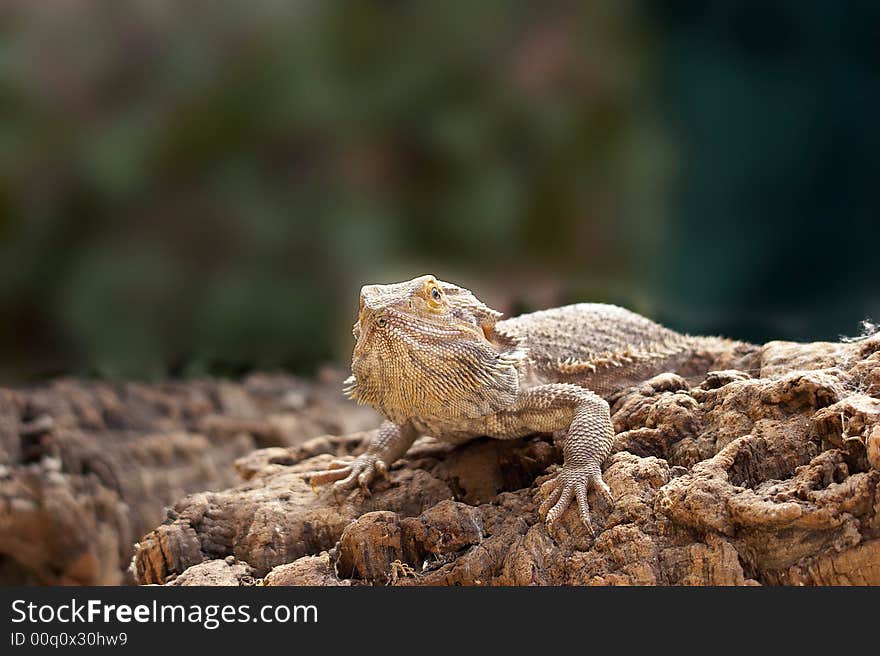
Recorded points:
(602, 347)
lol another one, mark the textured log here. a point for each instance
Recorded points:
(766, 476)
(87, 468)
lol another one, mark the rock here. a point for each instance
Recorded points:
(854, 416)
(380, 546)
(758, 473)
(369, 547)
(87, 467)
(308, 570)
(226, 572)
(859, 565)
(873, 447)
(275, 517)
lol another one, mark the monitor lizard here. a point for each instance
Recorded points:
(435, 360)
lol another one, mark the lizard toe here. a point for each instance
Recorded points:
(359, 473)
(346, 483)
(364, 479)
(598, 484)
(551, 499)
(548, 486)
(329, 475)
(584, 508)
(382, 470)
(565, 497)
(572, 484)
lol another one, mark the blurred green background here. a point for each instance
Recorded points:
(201, 187)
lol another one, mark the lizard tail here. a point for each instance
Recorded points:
(711, 353)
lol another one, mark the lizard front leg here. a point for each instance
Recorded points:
(389, 444)
(587, 419)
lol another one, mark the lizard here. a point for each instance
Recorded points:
(435, 360)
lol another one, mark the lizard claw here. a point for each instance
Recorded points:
(346, 475)
(580, 492)
(364, 479)
(382, 469)
(602, 488)
(335, 470)
(572, 483)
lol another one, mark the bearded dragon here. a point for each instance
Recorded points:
(435, 360)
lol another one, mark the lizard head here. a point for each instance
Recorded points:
(427, 348)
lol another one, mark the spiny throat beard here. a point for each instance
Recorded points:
(434, 374)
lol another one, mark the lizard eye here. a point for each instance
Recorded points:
(381, 322)
(435, 294)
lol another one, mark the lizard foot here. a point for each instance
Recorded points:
(572, 483)
(347, 474)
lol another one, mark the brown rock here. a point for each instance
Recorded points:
(369, 546)
(86, 468)
(380, 546)
(854, 416)
(873, 447)
(783, 357)
(308, 570)
(762, 475)
(226, 572)
(859, 565)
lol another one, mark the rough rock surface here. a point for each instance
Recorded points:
(87, 468)
(768, 476)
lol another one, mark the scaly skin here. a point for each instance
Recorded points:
(434, 360)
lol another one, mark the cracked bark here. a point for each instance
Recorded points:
(86, 468)
(768, 476)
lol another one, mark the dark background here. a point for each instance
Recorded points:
(201, 187)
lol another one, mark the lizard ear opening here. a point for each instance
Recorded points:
(464, 303)
(502, 343)
(471, 309)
